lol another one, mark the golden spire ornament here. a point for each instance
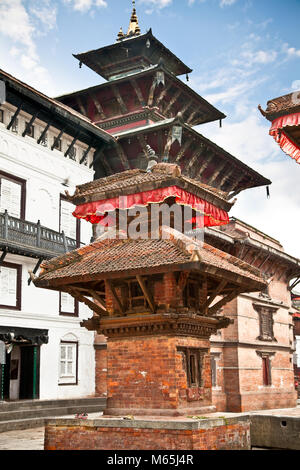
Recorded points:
(134, 29)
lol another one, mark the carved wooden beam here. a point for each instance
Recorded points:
(151, 92)
(97, 297)
(226, 177)
(183, 278)
(194, 158)
(227, 298)
(97, 106)
(146, 293)
(116, 297)
(14, 117)
(71, 145)
(138, 91)
(85, 153)
(214, 294)
(81, 298)
(142, 142)
(216, 173)
(183, 149)
(163, 93)
(207, 161)
(122, 156)
(172, 101)
(186, 107)
(119, 99)
(81, 107)
(56, 140)
(28, 126)
(192, 116)
(168, 144)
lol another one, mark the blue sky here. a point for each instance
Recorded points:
(242, 52)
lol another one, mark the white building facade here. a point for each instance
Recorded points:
(45, 149)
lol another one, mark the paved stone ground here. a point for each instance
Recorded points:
(33, 439)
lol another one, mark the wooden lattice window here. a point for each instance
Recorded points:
(266, 322)
(136, 297)
(193, 359)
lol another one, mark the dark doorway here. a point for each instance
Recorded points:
(29, 374)
(6, 377)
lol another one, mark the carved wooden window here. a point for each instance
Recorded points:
(12, 195)
(193, 365)
(136, 297)
(266, 322)
(68, 363)
(10, 286)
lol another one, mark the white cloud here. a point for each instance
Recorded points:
(156, 4)
(20, 30)
(249, 141)
(86, 5)
(225, 3)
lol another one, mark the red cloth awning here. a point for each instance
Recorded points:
(286, 143)
(95, 212)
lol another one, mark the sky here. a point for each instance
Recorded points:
(242, 52)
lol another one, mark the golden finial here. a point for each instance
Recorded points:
(134, 28)
(120, 35)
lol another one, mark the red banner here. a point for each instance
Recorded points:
(95, 212)
(286, 144)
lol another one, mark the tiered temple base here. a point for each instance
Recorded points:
(230, 433)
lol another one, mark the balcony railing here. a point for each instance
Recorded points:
(32, 238)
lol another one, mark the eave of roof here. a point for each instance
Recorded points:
(282, 106)
(82, 57)
(148, 71)
(56, 107)
(261, 180)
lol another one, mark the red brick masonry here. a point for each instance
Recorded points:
(120, 434)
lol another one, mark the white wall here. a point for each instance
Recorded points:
(45, 171)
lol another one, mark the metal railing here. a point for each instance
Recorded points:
(22, 233)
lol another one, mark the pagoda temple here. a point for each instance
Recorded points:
(157, 299)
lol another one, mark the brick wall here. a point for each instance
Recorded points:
(235, 436)
(147, 373)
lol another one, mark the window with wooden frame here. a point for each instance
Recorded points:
(135, 296)
(68, 224)
(12, 195)
(193, 360)
(68, 305)
(266, 322)
(10, 286)
(68, 363)
(266, 358)
(266, 367)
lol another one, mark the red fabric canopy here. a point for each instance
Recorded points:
(286, 144)
(95, 212)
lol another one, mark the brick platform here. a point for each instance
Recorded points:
(231, 433)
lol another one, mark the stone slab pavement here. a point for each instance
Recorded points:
(33, 439)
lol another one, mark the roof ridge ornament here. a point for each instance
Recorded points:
(134, 28)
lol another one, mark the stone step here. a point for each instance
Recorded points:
(39, 404)
(33, 413)
(52, 411)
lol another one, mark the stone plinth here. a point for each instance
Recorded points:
(232, 433)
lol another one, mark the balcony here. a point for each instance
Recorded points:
(31, 239)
